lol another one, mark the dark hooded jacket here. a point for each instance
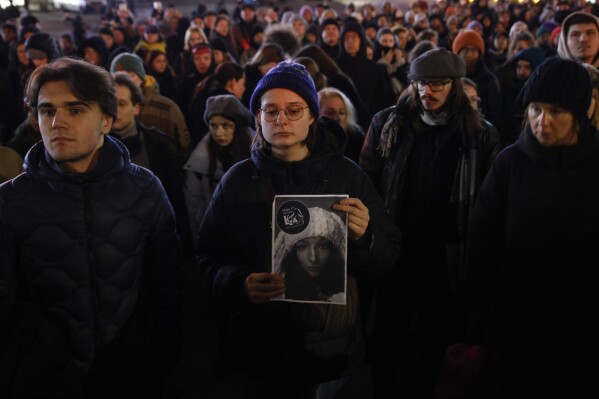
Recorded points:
(235, 241)
(96, 43)
(97, 253)
(371, 79)
(533, 267)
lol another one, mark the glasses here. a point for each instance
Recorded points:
(434, 86)
(270, 113)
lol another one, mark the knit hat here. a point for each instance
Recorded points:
(474, 24)
(329, 21)
(291, 76)
(564, 83)
(128, 62)
(546, 27)
(228, 106)
(468, 37)
(42, 41)
(323, 223)
(437, 63)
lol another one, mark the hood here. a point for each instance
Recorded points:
(353, 26)
(290, 177)
(44, 42)
(562, 47)
(114, 157)
(534, 55)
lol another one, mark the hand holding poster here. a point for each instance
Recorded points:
(310, 248)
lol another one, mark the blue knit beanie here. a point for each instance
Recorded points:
(291, 76)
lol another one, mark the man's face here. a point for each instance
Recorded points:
(126, 112)
(402, 39)
(248, 14)
(351, 43)
(434, 100)
(470, 55)
(72, 130)
(523, 69)
(8, 35)
(583, 42)
(209, 20)
(330, 35)
(202, 61)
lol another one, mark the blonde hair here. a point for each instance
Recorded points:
(331, 92)
(188, 32)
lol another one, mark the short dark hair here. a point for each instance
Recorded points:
(88, 83)
(122, 78)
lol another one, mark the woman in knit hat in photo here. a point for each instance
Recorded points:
(312, 261)
(532, 257)
(229, 141)
(294, 152)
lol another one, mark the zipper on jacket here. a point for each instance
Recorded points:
(91, 265)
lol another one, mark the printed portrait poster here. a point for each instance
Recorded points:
(309, 248)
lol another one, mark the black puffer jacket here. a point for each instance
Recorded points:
(92, 251)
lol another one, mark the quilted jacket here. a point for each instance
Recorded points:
(84, 248)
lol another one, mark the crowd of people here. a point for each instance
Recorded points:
(139, 163)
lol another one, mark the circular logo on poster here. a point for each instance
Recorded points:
(293, 217)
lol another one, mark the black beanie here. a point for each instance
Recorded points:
(561, 82)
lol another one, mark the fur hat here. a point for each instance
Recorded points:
(562, 82)
(228, 106)
(291, 76)
(128, 62)
(437, 63)
(468, 37)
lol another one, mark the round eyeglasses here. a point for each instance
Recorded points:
(435, 86)
(270, 113)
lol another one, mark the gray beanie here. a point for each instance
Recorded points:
(130, 63)
(437, 64)
(228, 106)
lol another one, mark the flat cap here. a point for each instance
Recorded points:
(437, 63)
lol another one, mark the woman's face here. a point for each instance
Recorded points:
(119, 37)
(267, 67)
(313, 254)
(219, 56)
(334, 108)
(287, 137)
(552, 125)
(160, 63)
(387, 40)
(195, 38)
(222, 130)
(238, 87)
(91, 55)
(222, 27)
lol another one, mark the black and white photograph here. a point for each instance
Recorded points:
(310, 248)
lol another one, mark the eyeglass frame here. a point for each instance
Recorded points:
(417, 83)
(262, 110)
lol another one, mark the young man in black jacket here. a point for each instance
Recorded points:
(89, 248)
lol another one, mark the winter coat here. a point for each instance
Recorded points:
(96, 252)
(163, 114)
(235, 241)
(389, 172)
(198, 187)
(532, 267)
(489, 92)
